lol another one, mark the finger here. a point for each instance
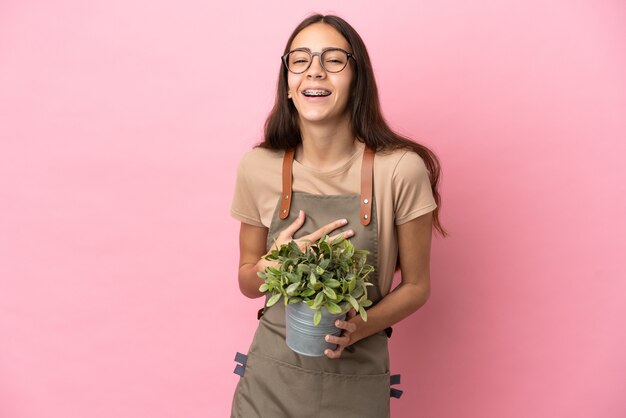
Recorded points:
(342, 236)
(345, 325)
(326, 229)
(333, 354)
(288, 232)
(335, 339)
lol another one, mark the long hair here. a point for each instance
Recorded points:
(282, 130)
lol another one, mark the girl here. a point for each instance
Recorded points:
(329, 164)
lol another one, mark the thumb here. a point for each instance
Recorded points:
(295, 225)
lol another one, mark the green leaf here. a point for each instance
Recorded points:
(325, 263)
(319, 299)
(292, 277)
(333, 308)
(353, 302)
(340, 238)
(345, 307)
(363, 314)
(313, 278)
(307, 292)
(273, 299)
(366, 304)
(294, 300)
(264, 287)
(358, 292)
(330, 293)
(332, 283)
(293, 247)
(274, 271)
(348, 249)
(292, 289)
(326, 249)
(317, 317)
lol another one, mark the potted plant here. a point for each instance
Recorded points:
(318, 285)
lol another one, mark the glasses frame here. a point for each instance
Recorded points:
(319, 54)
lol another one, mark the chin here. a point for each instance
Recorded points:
(315, 118)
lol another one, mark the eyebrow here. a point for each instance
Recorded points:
(324, 49)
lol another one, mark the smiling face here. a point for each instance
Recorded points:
(318, 95)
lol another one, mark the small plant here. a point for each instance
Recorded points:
(329, 274)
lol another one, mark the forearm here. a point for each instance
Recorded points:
(249, 280)
(397, 305)
(251, 250)
(414, 238)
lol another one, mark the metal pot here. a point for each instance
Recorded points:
(305, 338)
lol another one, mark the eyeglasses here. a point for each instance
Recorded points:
(333, 60)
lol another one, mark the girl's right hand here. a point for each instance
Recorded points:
(286, 235)
(252, 247)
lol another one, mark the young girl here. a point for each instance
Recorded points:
(329, 164)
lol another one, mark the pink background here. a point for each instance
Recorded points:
(121, 125)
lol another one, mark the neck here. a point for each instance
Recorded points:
(325, 146)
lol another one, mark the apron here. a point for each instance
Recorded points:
(279, 383)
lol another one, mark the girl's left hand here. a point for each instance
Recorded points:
(344, 339)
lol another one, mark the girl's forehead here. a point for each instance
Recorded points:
(319, 36)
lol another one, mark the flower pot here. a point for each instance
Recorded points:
(305, 338)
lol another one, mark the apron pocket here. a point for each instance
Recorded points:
(355, 395)
(272, 388)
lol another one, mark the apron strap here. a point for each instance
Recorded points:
(285, 201)
(367, 177)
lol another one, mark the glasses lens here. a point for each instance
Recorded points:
(334, 60)
(298, 61)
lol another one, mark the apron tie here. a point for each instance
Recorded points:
(242, 360)
(395, 393)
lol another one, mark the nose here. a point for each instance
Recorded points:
(315, 69)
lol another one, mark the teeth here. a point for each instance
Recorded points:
(316, 93)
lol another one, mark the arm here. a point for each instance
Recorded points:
(251, 249)
(414, 239)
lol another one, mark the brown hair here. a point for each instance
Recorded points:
(368, 124)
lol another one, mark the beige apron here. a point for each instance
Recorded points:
(279, 383)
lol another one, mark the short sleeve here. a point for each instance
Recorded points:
(412, 192)
(244, 206)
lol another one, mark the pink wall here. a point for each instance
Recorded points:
(121, 124)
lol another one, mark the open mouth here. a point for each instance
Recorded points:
(316, 93)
